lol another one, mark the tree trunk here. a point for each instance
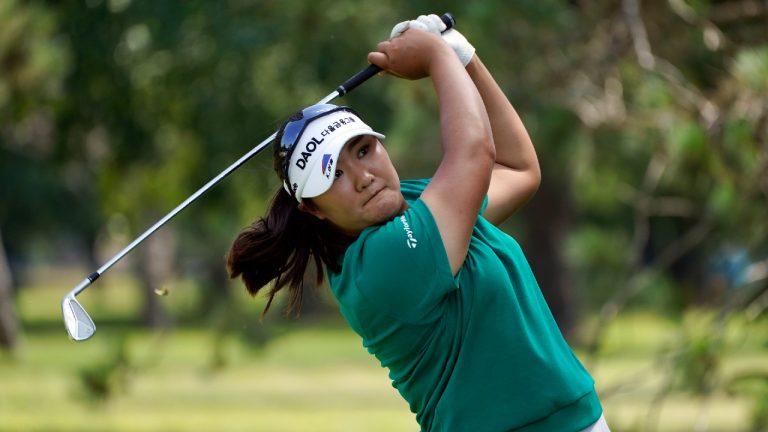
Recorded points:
(9, 323)
(549, 219)
(155, 269)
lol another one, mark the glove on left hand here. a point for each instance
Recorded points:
(433, 24)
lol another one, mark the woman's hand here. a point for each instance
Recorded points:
(412, 55)
(434, 24)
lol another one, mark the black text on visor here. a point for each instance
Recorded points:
(293, 130)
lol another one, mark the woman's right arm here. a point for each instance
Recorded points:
(459, 186)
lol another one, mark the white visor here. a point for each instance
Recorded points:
(313, 162)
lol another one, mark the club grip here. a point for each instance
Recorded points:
(365, 74)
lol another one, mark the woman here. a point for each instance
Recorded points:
(443, 298)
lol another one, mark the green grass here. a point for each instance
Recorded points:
(313, 376)
(170, 384)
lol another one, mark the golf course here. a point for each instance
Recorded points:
(304, 374)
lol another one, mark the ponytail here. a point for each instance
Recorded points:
(279, 247)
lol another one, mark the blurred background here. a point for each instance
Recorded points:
(648, 235)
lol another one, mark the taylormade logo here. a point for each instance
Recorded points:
(410, 241)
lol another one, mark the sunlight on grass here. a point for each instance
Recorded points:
(310, 376)
(169, 385)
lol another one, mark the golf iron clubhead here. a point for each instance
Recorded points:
(79, 325)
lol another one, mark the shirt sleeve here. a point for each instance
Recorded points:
(402, 267)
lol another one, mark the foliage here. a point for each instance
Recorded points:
(650, 120)
(755, 384)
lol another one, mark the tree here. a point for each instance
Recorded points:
(33, 63)
(9, 325)
(649, 123)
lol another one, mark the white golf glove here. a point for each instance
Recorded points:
(433, 24)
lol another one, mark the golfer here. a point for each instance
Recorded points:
(444, 299)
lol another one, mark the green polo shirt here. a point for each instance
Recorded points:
(476, 352)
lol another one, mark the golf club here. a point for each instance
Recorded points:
(78, 323)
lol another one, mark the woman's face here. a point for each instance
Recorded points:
(366, 190)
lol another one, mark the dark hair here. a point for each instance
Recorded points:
(279, 246)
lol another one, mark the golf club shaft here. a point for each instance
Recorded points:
(213, 182)
(341, 90)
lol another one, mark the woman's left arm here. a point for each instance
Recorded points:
(516, 175)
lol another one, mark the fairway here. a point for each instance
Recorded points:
(310, 376)
(170, 386)
(309, 380)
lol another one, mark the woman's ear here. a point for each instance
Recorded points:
(314, 211)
